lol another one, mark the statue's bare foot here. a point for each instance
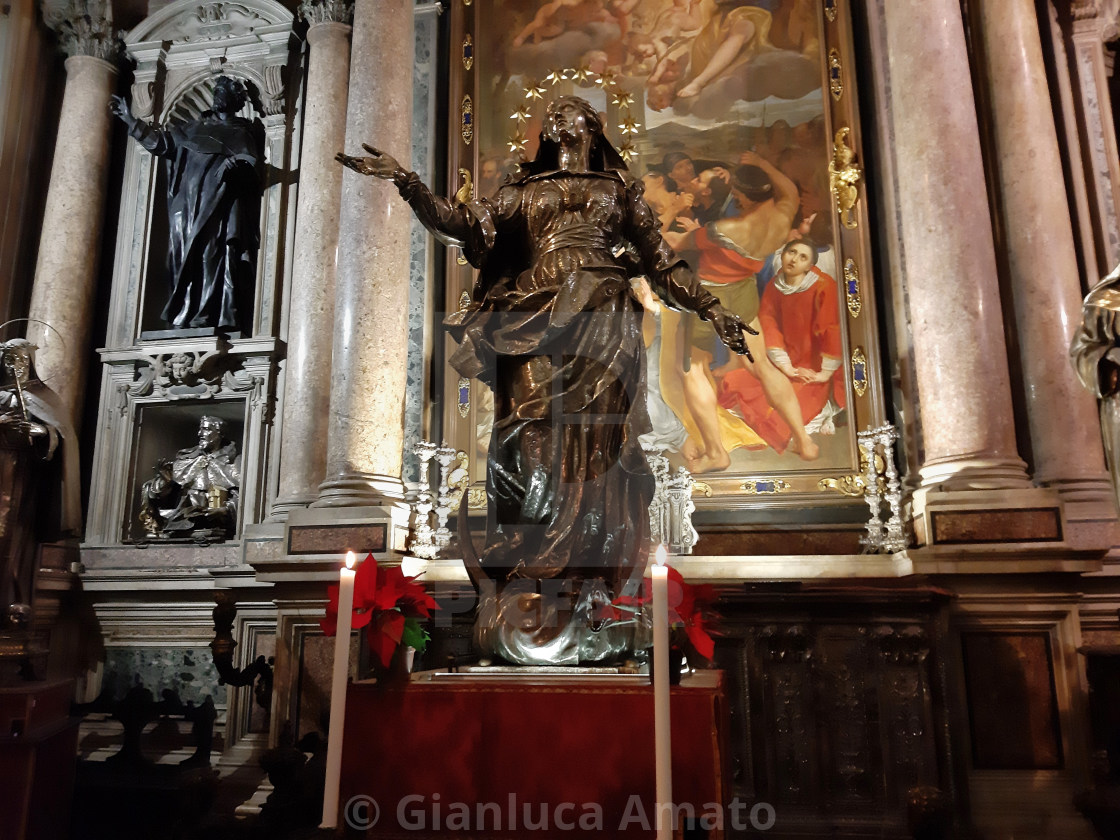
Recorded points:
(710, 463)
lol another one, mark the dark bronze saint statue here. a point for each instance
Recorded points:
(36, 504)
(555, 329)
(214, 167)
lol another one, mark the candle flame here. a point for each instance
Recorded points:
(350, 559)
(661, 555)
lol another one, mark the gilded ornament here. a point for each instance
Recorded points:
(465, 193)
(849, 485)
(476, 498)
(835, 74)
(830, 9)
(468, 52)
(843, 175)
(467, 111)
(764, 486)
(582, 75)
(851, 287)
(859, 371)
(463, 397)
(703, 488)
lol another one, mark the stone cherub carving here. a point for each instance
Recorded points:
(195, 494)
(214, 177)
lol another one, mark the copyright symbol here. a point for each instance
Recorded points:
(361, 812)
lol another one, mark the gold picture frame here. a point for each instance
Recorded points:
(788, 96)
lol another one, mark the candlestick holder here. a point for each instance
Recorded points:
(881, 485)
(431, 508)
(670, 512)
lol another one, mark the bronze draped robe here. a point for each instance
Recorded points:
(214, 177)
(555, 330)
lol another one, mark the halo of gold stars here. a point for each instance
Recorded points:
(534, 90)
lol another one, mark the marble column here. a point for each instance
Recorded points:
(303, 442)
(1067, 452)
(947, 254)
(368, 371)
(70, 243)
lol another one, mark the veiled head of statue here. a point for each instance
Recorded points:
(566, 117)
(17, 355)
(230, 95)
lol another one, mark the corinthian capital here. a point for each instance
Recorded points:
(326, 11)
(84, 27)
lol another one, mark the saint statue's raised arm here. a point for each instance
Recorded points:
(555, 329)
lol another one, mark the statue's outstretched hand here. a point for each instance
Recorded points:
(731, 330)
(379, 164)
(119, 107)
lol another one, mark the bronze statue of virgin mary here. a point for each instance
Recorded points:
(555, 329)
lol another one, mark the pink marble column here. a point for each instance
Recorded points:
(1067, 452)
(70, 244)
(307, 380)
(366, 427)
(948, 255)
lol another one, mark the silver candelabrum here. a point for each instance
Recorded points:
(434, 508)
(881, 484)
(670, 512)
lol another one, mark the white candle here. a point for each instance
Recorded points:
(338, 692)
(662, 731)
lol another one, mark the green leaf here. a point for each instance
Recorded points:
(414, 635)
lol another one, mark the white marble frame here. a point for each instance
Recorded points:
(114, 457)
(258, 46)
(177, 69)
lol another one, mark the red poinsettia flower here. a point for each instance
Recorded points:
(689, 609)
(385, 601)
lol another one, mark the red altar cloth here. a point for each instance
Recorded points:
(431, 753)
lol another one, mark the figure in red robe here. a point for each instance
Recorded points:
(800, 317)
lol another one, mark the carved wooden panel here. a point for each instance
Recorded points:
(836, 710)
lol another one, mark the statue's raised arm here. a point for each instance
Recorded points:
(451, 224)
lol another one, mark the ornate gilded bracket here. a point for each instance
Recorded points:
(466, 115)
(468, 52)
(465, 193)
(851, 287)
(850, 485)
(835, 74)
(843, 174)
(859, 371)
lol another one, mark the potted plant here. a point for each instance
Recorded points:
(691, 619)
(390, 606)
